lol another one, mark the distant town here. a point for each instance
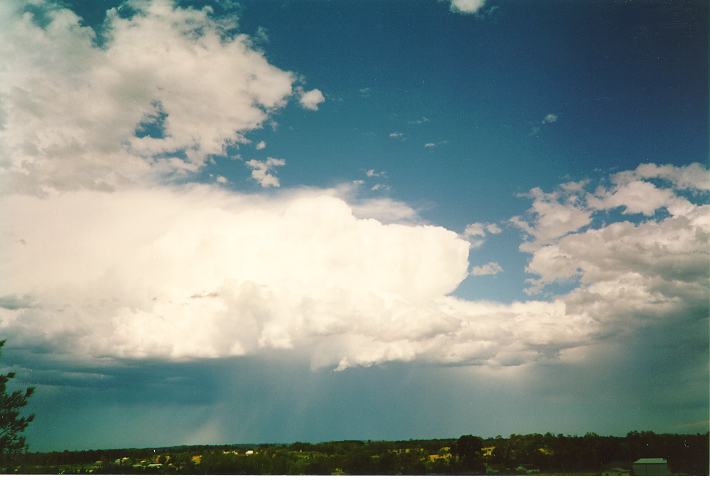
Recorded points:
(638, 453)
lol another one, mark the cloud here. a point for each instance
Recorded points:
(105, 258)
(476, 232)
(311, 99)
(490, 268)
(384, 210)
(435, 144)
(549, 118)
(467, 6)
(377, 177)
(166, 89)
(261, 145)
(397, 135)
(690, 177)
(374, 173)
(647, 259)
(635, 197)
(419, 121)
(198, 272)
(188, 272)
(493, 229)
(635, 191)
(551, 216)
(263, 171)
(221, 179)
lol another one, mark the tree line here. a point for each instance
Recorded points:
(531, 453)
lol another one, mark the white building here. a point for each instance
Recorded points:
(651, 466)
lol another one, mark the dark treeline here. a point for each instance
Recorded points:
(518, 454)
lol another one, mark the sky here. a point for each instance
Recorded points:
(279, 221)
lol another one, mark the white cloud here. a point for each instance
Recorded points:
(99, 260)
(221, 179)
(311, 99)
(384, 210)
(549, 118)
(476, 232)
(263, 171)
(397, 135)
(694, 176)
(419, 121)
(490, 268)
(653, 258)
(374, 173)
(71, 109)
(633, 189)
(466, 6)
(493, 229)
(574, 186)
(635, 197)
(551, 216)
(435, 144)
(261, 145)
(198, 271)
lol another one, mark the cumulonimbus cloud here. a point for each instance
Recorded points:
(201, 272)
(197, 271)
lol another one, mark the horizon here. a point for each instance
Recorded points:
(345, 440)
(270, 220)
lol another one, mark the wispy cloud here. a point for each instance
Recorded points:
(419, 121)
(431, 145)
(548, 119)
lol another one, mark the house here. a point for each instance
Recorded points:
(488, 451)
(651, 466)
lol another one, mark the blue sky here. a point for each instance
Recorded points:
(311, 220)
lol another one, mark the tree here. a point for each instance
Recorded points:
(468, 450)
(12, 424)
